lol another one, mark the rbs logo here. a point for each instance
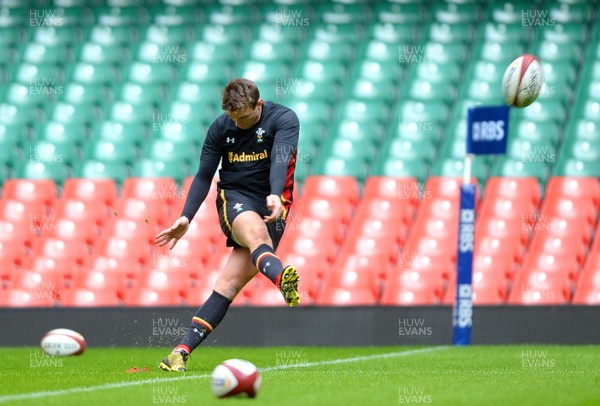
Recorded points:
(488, 130)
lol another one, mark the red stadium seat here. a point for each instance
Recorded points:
(384, 209)
(79, 297)
(337, 188)
(27, 214)
(129, 229)
(575, 188)
(14, 251)
(268, 296)
(508, 209)
(351, 279)
(327, 209)
(185, 188)
(148, 297)
(24, 298)
(144, 211)
(445, 187)
(521, 189)
(337, 296)
(400, 296)
(75, 250)
(369, 247)
(92, 211)
(188, 251)
(310, 268)
(551, 262)
(425, 246)
(377, 267)
(131, 268)
(441, 208)
(98, 280)
(309, 247)
(205, 229)
(68, 230)
(40, 285)
(18, 232)
(497, 263)
(121, 249)
(569, 209)
(540, 287)
(511, 248)
(441, 230)
(558, 227)
(587, 296)
(168, 262)
(411, 280)
(30, 190)
(66, 266)
(381, 187)
(379, 228)
(85, 190)
(314, 228)
(503, 229)
(160, 189)
(489, 287)
(559, 245)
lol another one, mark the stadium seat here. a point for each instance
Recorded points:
(144, 297)
(103, 190)
(514, 188)
(81, 297)
(93, 211)
(338, 296)
(540, 288)
(345, 188)
(399, 296)
(120, 248)
(25, 298)
(575, 188)
(30, 190)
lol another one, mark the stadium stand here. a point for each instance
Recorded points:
(104, 107)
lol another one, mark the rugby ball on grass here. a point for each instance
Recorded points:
(235, 377)
(63, 341)
(522, 81)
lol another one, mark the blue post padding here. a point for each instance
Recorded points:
(487, 129)
(463, 306)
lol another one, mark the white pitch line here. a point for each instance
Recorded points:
(118, 385)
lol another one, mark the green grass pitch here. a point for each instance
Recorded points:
(477, 375)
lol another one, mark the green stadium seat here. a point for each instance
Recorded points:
(364, 111)
(258, 70)
(220, 34)
(151, 168)
(269, 31)
(12, 134)
(53, 153)
(120, 16)
(399, 13)
(64, 134)
(359, 151)
(167, 34)
(407, 150)
(570, 13)
(28, 73)
(588, 110)
(577, 168)
(268, 51)
(547, 110)
(241, 14)
(209, 53)
(449, 33)
(564, 33)
(508, 12)
(510, 167)
(421, 113)
(455, 167)
(340, 13)
(58, 172)
(170, 151)
(150, 73)
(534, 131)
(395, 32)
(87, 73)
(486, 71)
(311, 111)
(99, 169)
(527, 151)
(110, 151)
(455, 13)
(211, 72)
(426, 91)
(64, 112)
(322, 72)
(339, 33)
(52, 36)
(146, 94)
(112, 35)
(364, 89)
(76, 93)
(328, 52)
(395, 167)
(378, 71)
(384, 52)
(11, 114)
(307, 90)
(185, 113)
(8, 156)
(117, 132)
(438, 53)
(434, 72)
(339, 166)
(35, 53)
(553, 52)
(582, 150)
(125, 112)
(197, 93)
(355, 130)
(583, 129)
(489, 93)
(501, 53)
(505, 33)
(9, 36)
(30, 95)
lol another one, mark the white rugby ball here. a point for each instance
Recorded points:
(62, 341)
(522, 81)
(234, 377)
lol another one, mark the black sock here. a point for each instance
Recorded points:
(267, 263)
(207, 318)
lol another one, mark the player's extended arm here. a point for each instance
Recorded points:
(209, 162)
(282, 154)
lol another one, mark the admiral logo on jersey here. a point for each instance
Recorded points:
(247, 157)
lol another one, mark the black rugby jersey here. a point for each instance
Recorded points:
(258, 161)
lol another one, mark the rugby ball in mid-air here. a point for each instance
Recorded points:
(235, 377)
(63, 341)
(522, 81)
